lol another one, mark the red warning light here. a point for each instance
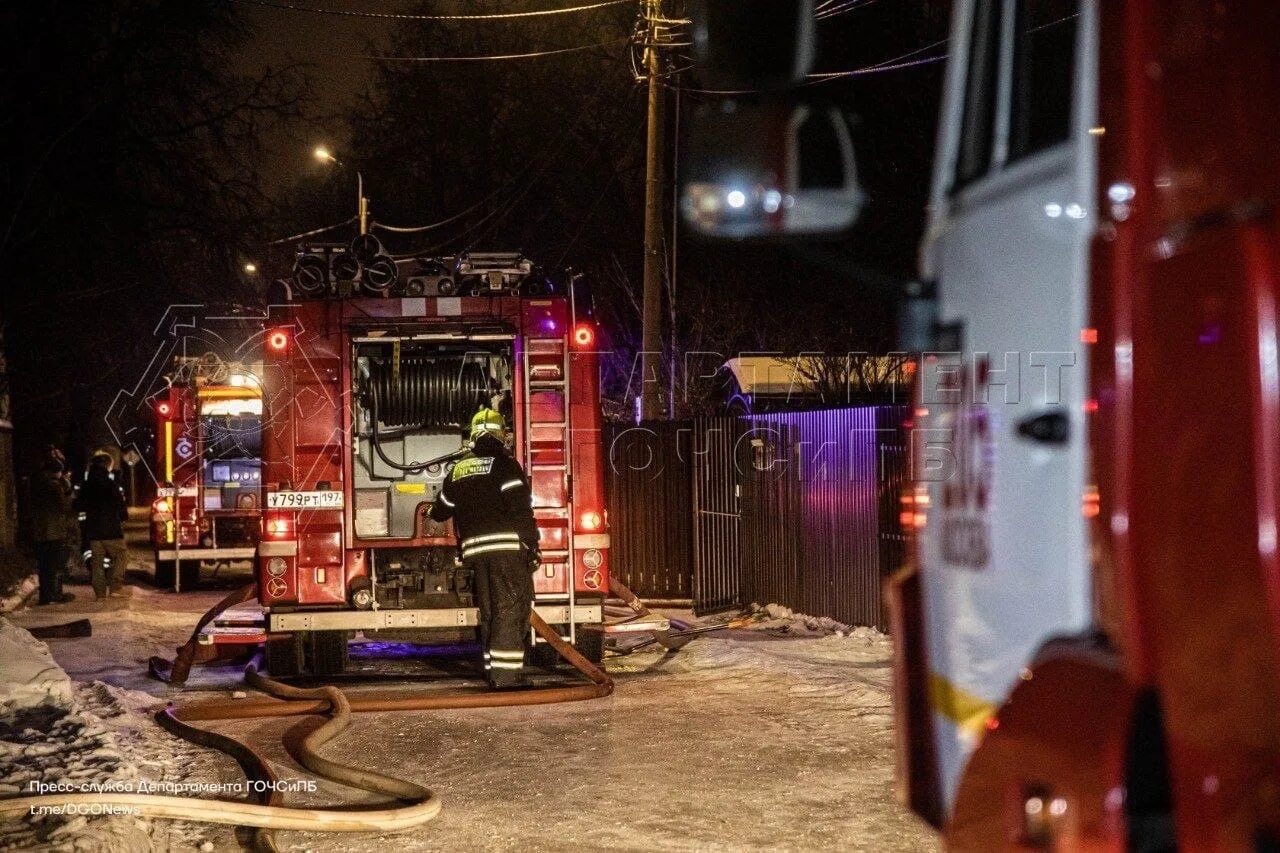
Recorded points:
(590, 520)
(164, 409)
(278, 340)
(583, 335)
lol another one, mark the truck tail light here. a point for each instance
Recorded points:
(583, 335)
(161, 506)
(590, 521)
(279, 525)
(164, 409)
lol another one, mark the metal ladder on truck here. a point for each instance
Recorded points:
(547, 451)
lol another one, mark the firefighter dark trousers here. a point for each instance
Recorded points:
(504, 594)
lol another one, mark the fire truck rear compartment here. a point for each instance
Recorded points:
(412, 403)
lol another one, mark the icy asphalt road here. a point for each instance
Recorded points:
(744, 740)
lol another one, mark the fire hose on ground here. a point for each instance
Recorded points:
(413, 805)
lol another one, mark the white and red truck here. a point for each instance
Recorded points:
(1087, 631)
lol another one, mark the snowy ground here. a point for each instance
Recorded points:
(772, 737)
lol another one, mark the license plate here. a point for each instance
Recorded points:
(304, 500)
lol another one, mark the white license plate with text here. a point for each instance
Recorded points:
(304, 500)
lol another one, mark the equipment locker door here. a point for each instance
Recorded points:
(1003, 554)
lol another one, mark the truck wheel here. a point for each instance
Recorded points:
(189, 574)
(284, 656)
(328, 652)
(590, 644)
(165, 571)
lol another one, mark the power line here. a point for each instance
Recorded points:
(313, 232)
(418, 229)
(405, 16)
(840, 9)
(531, 55)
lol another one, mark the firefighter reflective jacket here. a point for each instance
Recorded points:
(487, 495)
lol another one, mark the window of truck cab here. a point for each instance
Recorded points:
(1018, 91)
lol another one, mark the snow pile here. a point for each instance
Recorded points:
(777, 619)
(48, 735)
(54, 731)
(28, 674)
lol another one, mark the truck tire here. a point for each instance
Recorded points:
(590, 644)
(328, 652)
(165, 571)
(284, 656)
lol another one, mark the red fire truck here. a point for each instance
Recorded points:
(208, 505)
(368, 385)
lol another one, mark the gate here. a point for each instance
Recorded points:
(717, 448)
(819, 518)
(650, 508)
(797, 508)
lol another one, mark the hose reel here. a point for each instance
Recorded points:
(420, 392)
(423, 392)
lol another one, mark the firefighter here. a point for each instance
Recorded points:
(103, 505)
(52, 520)
(487, 495)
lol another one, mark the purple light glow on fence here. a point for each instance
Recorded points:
(826, 559)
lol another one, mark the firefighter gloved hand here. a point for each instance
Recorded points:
(535, 559)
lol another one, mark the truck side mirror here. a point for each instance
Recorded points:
(764, 162)
(769, 168)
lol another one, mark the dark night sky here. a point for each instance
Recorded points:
(332, 47)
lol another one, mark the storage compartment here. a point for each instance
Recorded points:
(411, 407)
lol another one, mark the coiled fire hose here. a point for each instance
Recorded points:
(415, 805)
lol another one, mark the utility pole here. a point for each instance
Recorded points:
(654, 262)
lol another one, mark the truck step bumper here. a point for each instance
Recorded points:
(189, 554)
(449, 617)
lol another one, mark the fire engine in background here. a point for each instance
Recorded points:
(372, 370)
(208, 454)
(1088, 631)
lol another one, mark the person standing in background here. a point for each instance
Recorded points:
(104, 509)
(51, 525)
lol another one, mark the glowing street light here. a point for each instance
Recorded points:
(250, 267)
(324, 155)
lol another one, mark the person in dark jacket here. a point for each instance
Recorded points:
(487, 495)
(51, 525)
(104, 509)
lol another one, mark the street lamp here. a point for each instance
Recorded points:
(324, 155)
(251, 268)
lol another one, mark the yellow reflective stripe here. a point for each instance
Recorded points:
(504, 664)
(445, 500)
(490, 537)
(511, 484)
(507, 655)
(493, 546)
(168, 451)
(967, 711)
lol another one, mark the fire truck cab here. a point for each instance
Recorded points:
(1088, 635)
(208, 442)
(368, 392)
